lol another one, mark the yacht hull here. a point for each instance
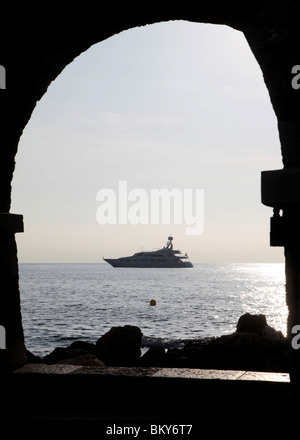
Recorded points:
(118, 263)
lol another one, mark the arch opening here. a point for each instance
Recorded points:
(171, 119)
(271, 33)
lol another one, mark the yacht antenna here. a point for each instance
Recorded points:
(170, 244)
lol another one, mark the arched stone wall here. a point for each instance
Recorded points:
(37, 44)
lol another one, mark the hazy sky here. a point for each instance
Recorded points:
(172, 105)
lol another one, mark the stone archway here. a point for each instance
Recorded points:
(37, 47)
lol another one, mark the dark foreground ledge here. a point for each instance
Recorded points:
(70, 392)
(154, 372)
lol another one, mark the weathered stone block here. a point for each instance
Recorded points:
(280, 188)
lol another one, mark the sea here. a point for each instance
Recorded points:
(63, 303)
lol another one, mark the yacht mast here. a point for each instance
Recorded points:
(170, 244)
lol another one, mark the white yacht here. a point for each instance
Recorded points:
(165, 257)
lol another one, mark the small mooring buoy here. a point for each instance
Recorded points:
(152, 302)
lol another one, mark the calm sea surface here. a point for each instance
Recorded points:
(62, 303)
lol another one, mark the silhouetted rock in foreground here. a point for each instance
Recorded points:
(65, 354)
(248, 323)
(238, 351)
(154, 357)
(120, 346)
(254, 346)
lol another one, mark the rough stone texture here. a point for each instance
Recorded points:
(186, 373)
(87, 360)
(10, 312)
(37, 44)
